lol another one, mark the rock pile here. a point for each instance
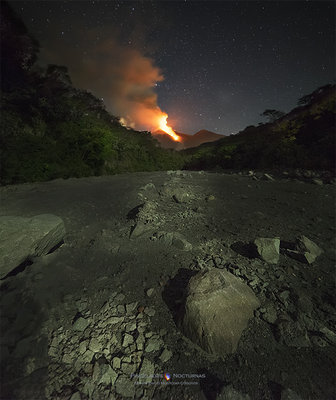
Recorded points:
(101, 352)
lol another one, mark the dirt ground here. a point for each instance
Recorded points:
(115, 250)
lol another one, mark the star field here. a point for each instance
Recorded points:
(224, 62)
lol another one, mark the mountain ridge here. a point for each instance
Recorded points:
(188, 141)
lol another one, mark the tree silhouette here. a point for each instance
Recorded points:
(272, 115)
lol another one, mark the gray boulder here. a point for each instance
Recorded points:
(22, 239)
(217, 310)
(268, 249)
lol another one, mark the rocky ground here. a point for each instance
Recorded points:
(78, 322)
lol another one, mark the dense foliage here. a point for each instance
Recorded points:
(303, 138)
(49, 129)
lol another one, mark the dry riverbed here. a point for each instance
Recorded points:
(78, 322)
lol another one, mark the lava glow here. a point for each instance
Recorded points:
(164, 127)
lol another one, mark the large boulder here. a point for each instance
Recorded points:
(24, 238)
(217, 309)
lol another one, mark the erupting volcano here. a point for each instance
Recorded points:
(167, 129)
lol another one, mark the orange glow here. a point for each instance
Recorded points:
(164, 127)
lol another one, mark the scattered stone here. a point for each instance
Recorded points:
(270, 314)
(25, 238)
(80, 324)
(305, 245)
(130, 327)
(67, 359)
(76, 396)
(146, 371)
(149, 292)
(149, 311)
(95, 346)
(166, 355)
(174, 239)
(125, 387)
(153, 344)
(119, 298)
(87, 356)
(210, 198)
(268, 249)
(140, 341)
(131, 307)
(317, 181)
(140, 228)
(292, 334)
(330, 335)
(289, 394)
(141, 309)
(268, 177)
(128, 369)
(115, 320)
(128, 339)
(181, 196)
(121, 308)
(217, 309)
(116, 363)
(108, 375)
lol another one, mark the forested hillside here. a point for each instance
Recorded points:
(52, 130)
(303, 138)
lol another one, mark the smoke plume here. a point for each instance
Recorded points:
(123, 77)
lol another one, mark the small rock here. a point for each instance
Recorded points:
(270, 314)
(67, 359)
(210, 198)
(76, 396)
(114, 320)
(116, 363)
(292, 334)
(268, 177)
(268, 249)
(125, 387)
(108, 375)
(289, 394)
(128, 339)
(121, 308)
(150, 292)
(130, 327)
(140, 341)
(317, 181)
(181, 196)
(140, 228)
(166, 355)
(305, 245)
(146, 371)
(95, 346)
(330, 335)
(80, 324)
(141, 309)
(149, 311)
(131, 307)
(153, 344)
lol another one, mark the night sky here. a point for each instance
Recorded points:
(223, 62)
